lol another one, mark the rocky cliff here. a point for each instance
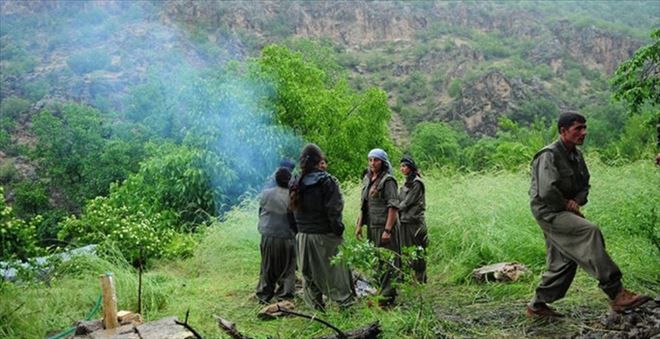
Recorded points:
(442, 41)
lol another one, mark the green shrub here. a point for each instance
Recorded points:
(535, 109)
(574, 77)
(17, 237)
(35, 90)
(30, 198)
(435, 144)
(638, 137)
(13, 106)
(132, 228)
(454, 89)
(8, 171)
(478, 157)
(175, 191)
(89, 60)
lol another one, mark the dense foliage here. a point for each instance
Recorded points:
(127, 130)
(473, 219)
(17, 236)
(344, 123)
(637, 81)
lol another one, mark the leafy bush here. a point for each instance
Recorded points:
(8, 171)
(129, 227)
(30, 199)
(637, 138)
(12, 107)
(535, 109)
(574, 77)
(176, 189)
(71, 151)
(479, 156)
(435, 144)
(89, 60)
(454, 89)
(17, 237)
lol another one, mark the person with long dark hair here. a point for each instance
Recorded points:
(412, 204)
(278, 255)
(317, 206)
(379, 205)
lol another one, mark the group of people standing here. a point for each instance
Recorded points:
(300, 220)
(309, 209)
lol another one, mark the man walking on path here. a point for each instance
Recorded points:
(560, 185)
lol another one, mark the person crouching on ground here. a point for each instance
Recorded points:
(317, 206)
(379, 205)
(412, 203)
(278, 255)
(559, 187)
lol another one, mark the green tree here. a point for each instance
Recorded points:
(636, 81)
(345, 124)
(435, 144)
(17, 237)
(69, 143)
(535, 109)
(177, 189)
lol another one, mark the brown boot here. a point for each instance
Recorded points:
(626, 300)
(542, 311)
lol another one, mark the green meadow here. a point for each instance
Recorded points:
(473, 219)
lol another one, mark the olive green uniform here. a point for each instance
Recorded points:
(412, 204)
(375, 205)
(321, 277)
(278, 255)
(571, 240)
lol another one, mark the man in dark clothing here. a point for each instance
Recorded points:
(278, 255)
(560, 186)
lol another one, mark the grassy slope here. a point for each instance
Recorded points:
(473, 220)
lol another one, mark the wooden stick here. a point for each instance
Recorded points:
(230, 328)
(109, 301)
(340, 333)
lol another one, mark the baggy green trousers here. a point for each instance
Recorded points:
(388, 270)
(573, 241)
(320, 276)
(415, 234)
(278, 268)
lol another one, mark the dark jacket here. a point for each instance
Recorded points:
(320, 205)
(557, 176)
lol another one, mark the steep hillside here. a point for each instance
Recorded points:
(416, 51)
(94, 93)
(437, 61)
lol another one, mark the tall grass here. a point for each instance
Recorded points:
(473, 219)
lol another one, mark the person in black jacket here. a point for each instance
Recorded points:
(317, 206)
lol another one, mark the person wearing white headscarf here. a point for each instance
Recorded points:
(379, 206)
